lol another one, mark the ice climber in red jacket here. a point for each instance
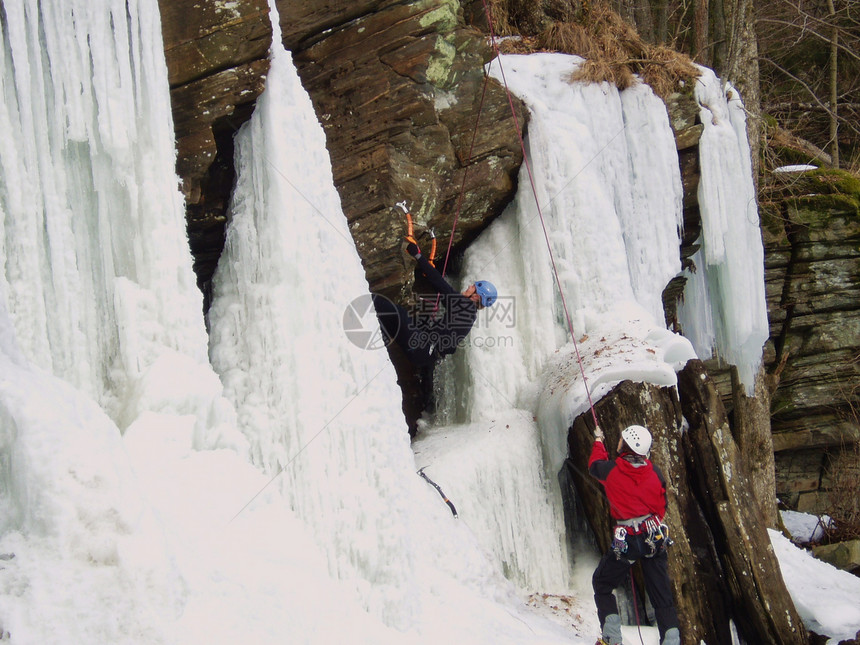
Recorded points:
(636, 490)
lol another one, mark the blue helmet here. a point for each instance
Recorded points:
(487, 292)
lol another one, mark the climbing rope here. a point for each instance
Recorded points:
(636, 606)
(539, 210)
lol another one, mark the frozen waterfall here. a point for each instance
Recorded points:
(609, 188)
(157, 486)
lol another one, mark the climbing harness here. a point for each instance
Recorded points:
(410, 233)
(439, 490)
(641, 524)
(652, 529)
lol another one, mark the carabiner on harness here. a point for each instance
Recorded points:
(656, 537)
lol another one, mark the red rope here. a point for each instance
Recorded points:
(540, 212)
(636, 607)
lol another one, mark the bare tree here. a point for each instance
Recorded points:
(834, 87)
(795, 61)
(810, 50)
(741, 65)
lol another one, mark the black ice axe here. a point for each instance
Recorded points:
(440, 491)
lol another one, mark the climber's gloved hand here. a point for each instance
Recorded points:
(598, 434)
(413, 250)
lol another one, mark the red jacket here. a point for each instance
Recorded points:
(634, 486)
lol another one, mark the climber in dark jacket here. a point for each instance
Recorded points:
(636, 490)
(430, 335)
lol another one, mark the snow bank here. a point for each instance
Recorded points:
(803, 527)
(794, 168)
(73, 515)
(827, 599)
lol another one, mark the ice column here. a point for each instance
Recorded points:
(608, 183)
(321, 413)
(97, 272)
(732, 257)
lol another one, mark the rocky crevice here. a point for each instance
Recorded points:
(217, 61)
(684, 119)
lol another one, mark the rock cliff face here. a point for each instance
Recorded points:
(399, 90)
(811, 231)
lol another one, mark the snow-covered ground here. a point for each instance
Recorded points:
(825, 597)
(263, 488)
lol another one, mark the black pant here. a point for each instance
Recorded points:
(399, 327)
(612, 571)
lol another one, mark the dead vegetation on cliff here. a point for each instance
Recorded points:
(612, 48)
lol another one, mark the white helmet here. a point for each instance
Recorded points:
(638, 438)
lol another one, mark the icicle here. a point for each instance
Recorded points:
(732, 248)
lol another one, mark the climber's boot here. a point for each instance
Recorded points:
(672, 637)
(612, 630)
